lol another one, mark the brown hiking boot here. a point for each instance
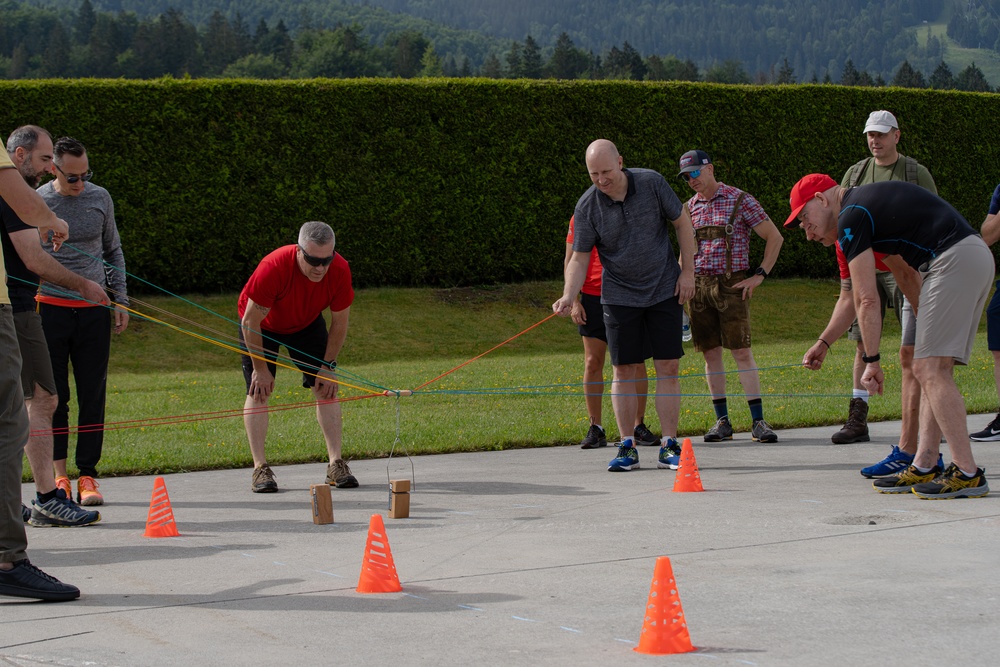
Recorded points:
(339, 474)
(856, 427)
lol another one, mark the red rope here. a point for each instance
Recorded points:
(537, 324)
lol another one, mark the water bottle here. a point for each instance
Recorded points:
(686, 328)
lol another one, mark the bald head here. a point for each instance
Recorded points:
(604, 164)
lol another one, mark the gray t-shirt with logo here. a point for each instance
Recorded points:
(632, 239)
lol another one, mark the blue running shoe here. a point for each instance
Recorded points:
(670, 455)
(895, 462)
(627, 459)
(890, 465)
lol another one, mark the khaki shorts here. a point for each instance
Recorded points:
(36, 365)
(720, 317)
(956, 285)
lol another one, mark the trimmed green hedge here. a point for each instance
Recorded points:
(456, 182)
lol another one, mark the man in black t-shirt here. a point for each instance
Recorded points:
(945, 270)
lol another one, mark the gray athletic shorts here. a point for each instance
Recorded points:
(956, 285)
(36, 365)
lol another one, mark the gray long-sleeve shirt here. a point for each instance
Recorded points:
(92, 229)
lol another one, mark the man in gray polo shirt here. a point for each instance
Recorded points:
(625, 215)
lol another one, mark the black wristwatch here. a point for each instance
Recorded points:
(332, 365)
(875, 358)
(760, 272)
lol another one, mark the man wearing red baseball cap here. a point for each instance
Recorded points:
(945, 270)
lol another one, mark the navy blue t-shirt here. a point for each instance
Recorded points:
(899, 218)
(22, 284)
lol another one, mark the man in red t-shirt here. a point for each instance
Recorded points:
(283, 304)
(588, 315)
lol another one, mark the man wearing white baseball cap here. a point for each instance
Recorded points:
(886, 164)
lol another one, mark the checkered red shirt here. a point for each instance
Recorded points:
(710, 258)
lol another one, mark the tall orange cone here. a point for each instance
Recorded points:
(664, 629)
(160, 522)
(378, 573)
(688, 478)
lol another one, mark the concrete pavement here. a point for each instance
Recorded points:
(534, 556)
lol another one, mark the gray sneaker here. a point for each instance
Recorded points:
(263, 480)
(762, 432)
(61, 512)
(339, 474)
(722, 430)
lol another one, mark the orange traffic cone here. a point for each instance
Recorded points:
(664, 630)
(378, 573)
(160, 522)
(688, 478)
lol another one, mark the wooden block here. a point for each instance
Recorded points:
(400, 485)
(399, 499)
(322, 503)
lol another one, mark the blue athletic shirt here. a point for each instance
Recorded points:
(899, 218)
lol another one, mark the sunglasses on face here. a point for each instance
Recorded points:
(74, 178)
(315, 261)
(691, 174)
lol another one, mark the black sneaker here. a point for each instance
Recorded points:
(722, 430)
(595, 438)
(25, 580)
(989, 434)
(645, 437)
(263, 480)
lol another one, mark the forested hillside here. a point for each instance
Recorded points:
(923, 43)
(815, 38)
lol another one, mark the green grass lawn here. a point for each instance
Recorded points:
(527, 393)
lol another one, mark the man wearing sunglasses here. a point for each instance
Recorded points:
(723, 218)
(78, 330)
(30, 149)
(283, 304)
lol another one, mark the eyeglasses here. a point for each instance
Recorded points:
(687, 176)
(74, 178)
(315, 261)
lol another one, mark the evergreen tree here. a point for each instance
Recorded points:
(407, 49)
(850, 75)
(55, 58)
(430, 64)
(567, 62)
(865, 79)
(973, 80)
(18, 67)
(491, 69)
(907, 77)
(942, 78)
(633, 62)
(465, 71)
(83, 25)
(220, 44)
(103, 49)
(531, 59)
(786, 74)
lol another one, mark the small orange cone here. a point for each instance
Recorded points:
(160, 522)
(664, 630)
(378, 573)
(688, 478)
